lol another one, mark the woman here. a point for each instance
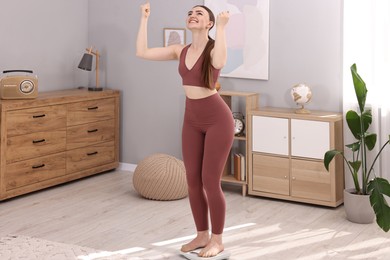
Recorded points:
(208, 123)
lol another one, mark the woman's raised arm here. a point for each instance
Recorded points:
(171, 52)
(219, 53)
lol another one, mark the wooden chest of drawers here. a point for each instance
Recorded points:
(58, 137)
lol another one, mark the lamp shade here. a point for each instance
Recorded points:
(86, 62)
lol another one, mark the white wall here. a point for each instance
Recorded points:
(46, 36)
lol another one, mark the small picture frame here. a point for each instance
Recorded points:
(174, 36)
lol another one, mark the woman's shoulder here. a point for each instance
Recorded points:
(178, 48)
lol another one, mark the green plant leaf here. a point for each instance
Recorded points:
(378, 187)
(354, 146)
(355, 165)
(328, 157)
(367, 119)
(353, 121)
(370, 141)
(360, 88)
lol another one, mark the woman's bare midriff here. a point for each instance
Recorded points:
(194, 92)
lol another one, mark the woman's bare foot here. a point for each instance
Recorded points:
(213, 247)
(201, 240)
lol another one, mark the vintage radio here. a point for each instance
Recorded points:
(18, 84)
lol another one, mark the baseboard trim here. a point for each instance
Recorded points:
(127, 167)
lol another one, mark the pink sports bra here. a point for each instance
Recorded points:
(193, 76)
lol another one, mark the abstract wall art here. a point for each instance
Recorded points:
(247, 36)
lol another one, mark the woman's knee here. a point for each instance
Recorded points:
(212, 186)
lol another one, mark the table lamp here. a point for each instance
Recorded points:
(86, 64)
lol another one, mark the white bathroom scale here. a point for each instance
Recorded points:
(193, 255)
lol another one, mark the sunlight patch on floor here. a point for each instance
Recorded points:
(159, 244)
(269, 242)
(372, 244)
(181, 239)
(283, 243)
(113, 253)
(377, 254)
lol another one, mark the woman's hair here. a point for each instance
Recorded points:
(207, 67)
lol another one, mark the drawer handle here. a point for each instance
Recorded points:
(38, 116)
(38, 166)
(38, 141)
(93, 153)
(93, 108)
(92, 131)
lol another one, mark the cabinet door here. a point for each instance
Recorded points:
(309, 139)
(270, 135)
(310, 180)
(271, 174)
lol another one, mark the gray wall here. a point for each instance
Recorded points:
(305, 46)
(46, 36)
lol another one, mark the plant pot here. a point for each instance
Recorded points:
(358, 207)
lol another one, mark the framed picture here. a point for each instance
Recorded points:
(174, 36)
(247, 37)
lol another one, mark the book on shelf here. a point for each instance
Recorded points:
(239, 166)
(243, 168)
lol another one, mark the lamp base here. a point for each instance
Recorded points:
(95, 89)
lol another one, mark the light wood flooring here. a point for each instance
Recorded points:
(104, 212)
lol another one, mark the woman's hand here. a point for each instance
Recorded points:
(145, 10)
(223, 18)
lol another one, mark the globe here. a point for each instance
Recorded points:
(301, 94)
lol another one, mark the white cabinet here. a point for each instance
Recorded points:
(287, 151)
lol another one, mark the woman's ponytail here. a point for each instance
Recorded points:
(207, 67)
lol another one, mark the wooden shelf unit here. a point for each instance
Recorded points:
(286, 156)
(251, 100)
(58, 137)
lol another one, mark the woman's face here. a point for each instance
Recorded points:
(198, 18)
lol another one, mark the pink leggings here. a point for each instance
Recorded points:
(208, 131)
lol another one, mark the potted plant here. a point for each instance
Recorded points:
(371, 186)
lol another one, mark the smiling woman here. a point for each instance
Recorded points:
(208, 127)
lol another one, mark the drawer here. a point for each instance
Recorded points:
(91, 111)
(35, 120)
(33, 145)
(92, 133)
(310, 180)
(271, 174)
(35, 170)
(89, 157)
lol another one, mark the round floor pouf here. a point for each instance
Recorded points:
(160, 177)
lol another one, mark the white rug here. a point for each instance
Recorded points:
(29, 248)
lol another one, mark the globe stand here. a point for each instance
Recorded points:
(302, 110)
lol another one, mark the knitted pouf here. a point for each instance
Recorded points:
(160, 177)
